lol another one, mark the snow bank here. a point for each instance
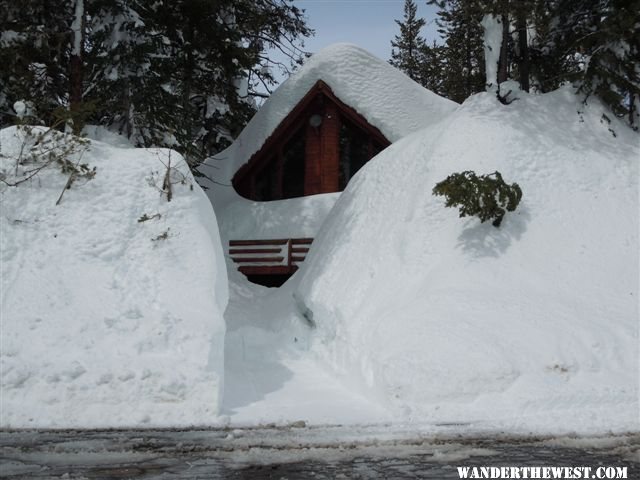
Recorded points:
(107, 320)
(531, 326)
(382, 94)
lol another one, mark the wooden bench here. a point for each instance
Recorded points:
(269, 257)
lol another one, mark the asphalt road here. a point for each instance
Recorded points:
(294, 453)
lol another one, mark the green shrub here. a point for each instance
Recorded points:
(487, 197)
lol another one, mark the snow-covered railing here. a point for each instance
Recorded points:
(269, 257)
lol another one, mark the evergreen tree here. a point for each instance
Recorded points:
(408, 48)
(463, 54)
(519, 19)
(433, 67)
(35, 50)
(596, 45)
(122, 83)
(165, 73)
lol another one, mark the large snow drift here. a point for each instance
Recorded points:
(108, 320)
(530, 326)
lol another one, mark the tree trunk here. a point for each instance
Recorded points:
(503, 71)
(76, 67)
(523, 50)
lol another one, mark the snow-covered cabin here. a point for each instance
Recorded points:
(316, 148)
(312, 135)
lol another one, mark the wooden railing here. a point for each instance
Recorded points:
(269, 257)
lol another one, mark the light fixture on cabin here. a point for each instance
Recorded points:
(315, 120)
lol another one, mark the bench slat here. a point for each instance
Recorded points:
(235, 251)
(258, 259)
(302, 241)
(243, 243)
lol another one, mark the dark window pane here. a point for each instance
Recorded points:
(293, 166)
(266, 181)
(354, 152)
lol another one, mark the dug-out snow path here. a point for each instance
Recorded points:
(271, 376)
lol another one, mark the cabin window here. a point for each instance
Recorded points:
(356, 148)
(266, 181)
(293, 166)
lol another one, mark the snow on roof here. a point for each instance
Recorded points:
(382, 94)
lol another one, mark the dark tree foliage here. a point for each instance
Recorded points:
(487, 197)
(35, 47)
(408, 47)
(462, 55)
(180, 73)
(433, 68)
(596, 45)
(411, 53)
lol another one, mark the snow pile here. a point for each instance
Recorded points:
(382, 94)
(112, 301)
(533, 325)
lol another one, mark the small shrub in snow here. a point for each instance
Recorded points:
(41, 148)
(487, 197)
(172, 175)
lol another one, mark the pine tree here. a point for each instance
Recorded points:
(165, 73)
(596, 45)
(408, 48)
(432, 68)
(121, 82)
(34, 52)
(463, 52)
(518, 19)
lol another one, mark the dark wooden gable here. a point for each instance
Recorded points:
(315, 149)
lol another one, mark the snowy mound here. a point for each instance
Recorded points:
(532, 325)
(112, 301)
(385, 96)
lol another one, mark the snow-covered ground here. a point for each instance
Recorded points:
(107, 320)
(270, 376)
(532, 326)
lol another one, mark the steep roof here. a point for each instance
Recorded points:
(383, 95)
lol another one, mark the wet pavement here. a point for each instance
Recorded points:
(294, 453)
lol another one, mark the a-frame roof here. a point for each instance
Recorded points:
(382, 95)
(297, 118)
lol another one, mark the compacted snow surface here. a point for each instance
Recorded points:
(270, 376)
(109, 321)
